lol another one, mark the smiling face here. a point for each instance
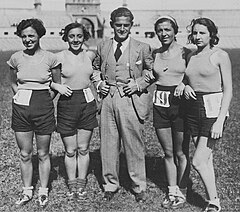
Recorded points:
(30, 38)
(201, 36)
(121, 27)
(75, 39)
(165, 33)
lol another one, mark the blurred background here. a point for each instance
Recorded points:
(94, 14)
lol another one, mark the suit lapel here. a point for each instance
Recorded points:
(134, 51)
(105, 52)
(107, 48)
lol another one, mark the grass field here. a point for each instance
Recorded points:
(226, 160)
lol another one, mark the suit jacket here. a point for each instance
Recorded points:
(140, 61)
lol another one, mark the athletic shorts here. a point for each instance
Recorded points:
(75, 113)
(196, 121)
(167, 109)
(37, 117)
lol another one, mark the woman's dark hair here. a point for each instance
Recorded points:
(36, 24)
(212, 28)
(64, 32)
(171, 20)
(121, 11)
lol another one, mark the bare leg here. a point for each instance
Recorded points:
(83, 139)
(43, 143)
(70, 143)
(165, 138)
(203, 163)
(25, 144)
(182, 159)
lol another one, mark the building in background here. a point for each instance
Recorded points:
(82, 11)
(88, 12)
(143, 27)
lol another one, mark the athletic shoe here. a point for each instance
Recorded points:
(43, 197)
(22, 200)
(81, 193)
(25, 197)
(180, 198)
(212, 208)
(108, 195)
(43, 200)
(140, 197)
(178, 202)
(168, 201)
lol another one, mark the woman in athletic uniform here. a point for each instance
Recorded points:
(170, 62)
(32, 70)
(208, 94)
(76, 108)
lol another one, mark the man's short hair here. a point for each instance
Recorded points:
(121, 11)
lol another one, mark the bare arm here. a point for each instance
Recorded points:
(223, 61)
(226, 71)
(179, 89)
(189, 92)
(56, 74)
(56, 83)
(13, 80)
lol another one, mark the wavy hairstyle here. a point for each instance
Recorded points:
(121, 11)
(212, 28)
(35, 23)
(64, 32)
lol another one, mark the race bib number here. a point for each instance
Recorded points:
(88, 95)
(212, 104)
(22, 97)
(161, 98)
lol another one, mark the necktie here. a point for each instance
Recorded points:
(118, 51)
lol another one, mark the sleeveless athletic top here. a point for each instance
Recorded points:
(170, 69)
(76, 69)
(202, 75)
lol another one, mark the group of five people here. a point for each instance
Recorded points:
(191, 101)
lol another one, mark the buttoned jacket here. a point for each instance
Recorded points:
(136, 63)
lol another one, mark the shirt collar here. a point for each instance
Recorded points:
(124, 43)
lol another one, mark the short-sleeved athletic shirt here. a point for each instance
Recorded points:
(33, 72)
(76, 69)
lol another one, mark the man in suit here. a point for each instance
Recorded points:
(123, 62)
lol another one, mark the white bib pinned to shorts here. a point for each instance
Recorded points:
(161, 98)
(22, 97)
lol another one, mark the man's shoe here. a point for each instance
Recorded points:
(140, 197)
(108, 195)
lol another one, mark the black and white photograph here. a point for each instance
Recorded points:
(119, 105)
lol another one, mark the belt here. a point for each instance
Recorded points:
(116, 86)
